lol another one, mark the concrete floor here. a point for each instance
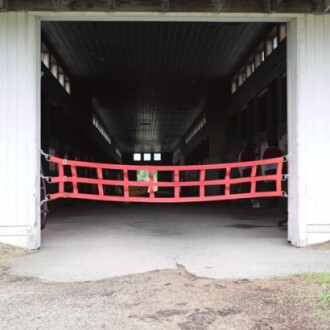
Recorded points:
(92, 241)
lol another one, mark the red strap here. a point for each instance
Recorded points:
(176, 184)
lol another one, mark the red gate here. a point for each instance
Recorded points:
(72, 181)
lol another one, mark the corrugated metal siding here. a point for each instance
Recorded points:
(318, 80)
(309, 122)
(19, 111)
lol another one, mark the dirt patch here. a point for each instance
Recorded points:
(169, 299)
(8, 252)
(322, 246)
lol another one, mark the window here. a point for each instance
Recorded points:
(118, 152)
(262, 55)
(233, 86)
(241, 77)
(147, 157)
(157, 157)
(248, 70)
(257, 60)
(271, 42)
(101, 129)
(275, 42)
(67, 85)
(45, 57)
(269, 46)
(137, 157)
(197, 127)
(61, 77)
(282, 32)
(54, 67)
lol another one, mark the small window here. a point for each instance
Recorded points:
(257, 60)
(61, 76)
(234, 85)
(275, 42)
(147, 157)
(45, 59)
(283, 32)
(137, 157)
(240, 79)
(248, 71)
(157, 157)
(269, 47)
(54, 67)
(262, 56)
(68, 86)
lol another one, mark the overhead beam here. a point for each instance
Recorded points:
(310, 6)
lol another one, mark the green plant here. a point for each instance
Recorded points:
(324, 297)
(318, 278)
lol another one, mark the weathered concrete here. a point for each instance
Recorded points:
(90, 242)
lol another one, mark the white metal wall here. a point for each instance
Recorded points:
(19, 129)
(309, 129)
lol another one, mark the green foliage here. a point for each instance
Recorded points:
(318, 278)
(324, 297)
(143, 175)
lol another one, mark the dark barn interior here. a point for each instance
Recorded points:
(162, 92)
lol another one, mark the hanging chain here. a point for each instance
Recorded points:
(47, 156)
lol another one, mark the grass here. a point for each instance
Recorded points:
(322, 279)
(320, 293)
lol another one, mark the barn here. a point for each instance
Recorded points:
(164, 83)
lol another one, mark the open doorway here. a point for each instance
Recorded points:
(164, 93)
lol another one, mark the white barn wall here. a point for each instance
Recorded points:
(309, 129)
(19, 129)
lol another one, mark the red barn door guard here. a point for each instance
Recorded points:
(70, 183)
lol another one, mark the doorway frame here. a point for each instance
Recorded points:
(297, 223)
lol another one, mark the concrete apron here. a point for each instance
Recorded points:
(91, 241)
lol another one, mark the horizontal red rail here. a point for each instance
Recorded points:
(199, 172)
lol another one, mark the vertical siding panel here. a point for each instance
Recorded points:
(318, 180)
(309, 122)
(32, 115)
(22, 111)
(20, 66)
(4, 115)
(12, 117)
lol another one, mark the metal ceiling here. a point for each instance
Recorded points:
(150, 80)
